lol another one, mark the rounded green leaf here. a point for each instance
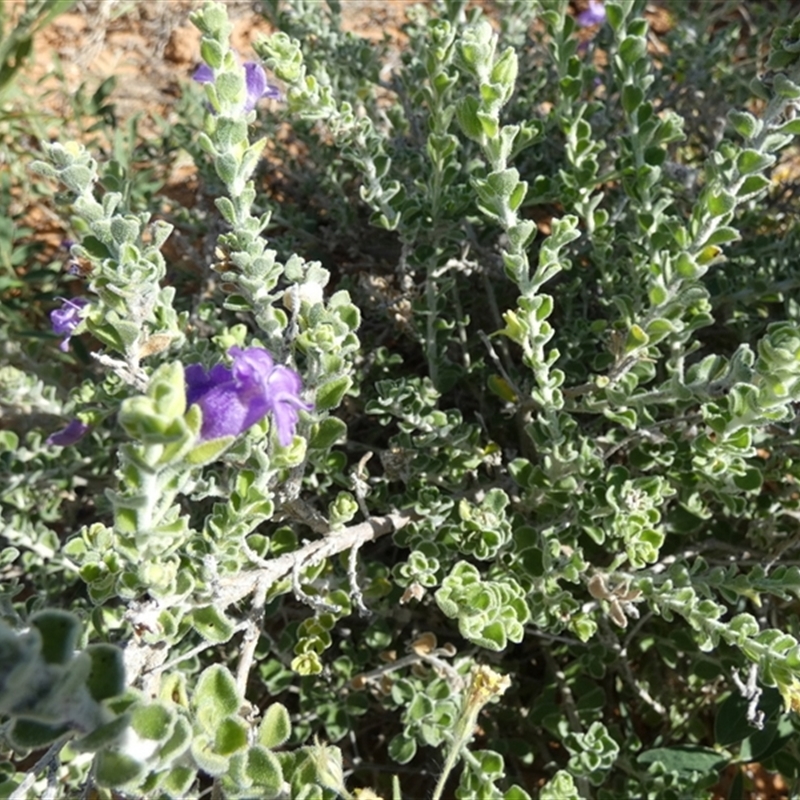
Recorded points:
(209, 761)
(327, 432)
(216, 696)
(102, 737)
(212, 624)
(264, 770)
(152, 722)
(59, 631)
(178, 782)
(275, 727)
(230, 736)
(28, 734)
(107, 675)
(330, 394)
(402, 748)
(114, 769)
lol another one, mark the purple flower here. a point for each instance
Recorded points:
(255, 81)
(234, 399)
(66, 436)
(594, 15)
(65, 319)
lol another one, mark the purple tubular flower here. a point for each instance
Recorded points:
(66, 436)
(203, 74)
(255, 81)
(232, 400)
(594, 15)
(65, 319)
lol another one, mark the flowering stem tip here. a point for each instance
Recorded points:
(231, 400)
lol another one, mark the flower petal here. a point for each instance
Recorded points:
(594, 15)
(203, 74)
(231, 400)
(255, 80)
(66, 319)
(285, 387)
(66, 436)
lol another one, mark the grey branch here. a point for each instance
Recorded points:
(230, 589)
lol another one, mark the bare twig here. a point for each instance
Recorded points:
(432, 659)
(623, 668)
(233, 588)
(487, 343)
(752, 693)
(571, 709)
(250, 638)
(352, 577)
(142, 658)
(130, 373)
(360, 488)
(47, 762)
(320, 606)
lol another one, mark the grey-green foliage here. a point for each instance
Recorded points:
(612, 512)
(688, 427)
(51, 690)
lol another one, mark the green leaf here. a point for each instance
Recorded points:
(615, 14)
(402, 748)
(59, 631)
(95, 248)
(560, 787)
(632, 97)
(114, 769)
(632, 48)
(212, 624)
(210, 451)
(107, 676)
(746, 124)
(211, 53)
(178, 742)
(330, 394)
(275, 727)
(636, 338)
(750, 161)
(658, 329)
(28, 734)
(722, 235)
(791, 128)
(102, 737)
(264, 770)
(152, 721)
(493, 637)
(216, 696)
(720, 203)
(467, 115)
(753, 184)
(750, 481)
(327, 432)
(230, 736)
(207, 759)
(178, 781)
(685, 759)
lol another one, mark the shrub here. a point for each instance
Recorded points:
(512, 492)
